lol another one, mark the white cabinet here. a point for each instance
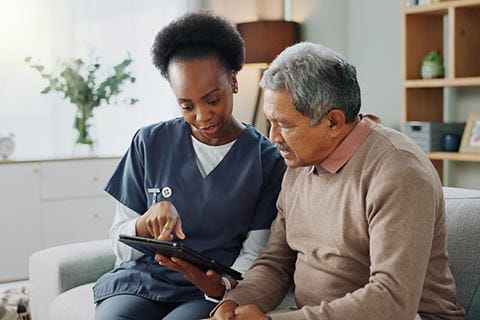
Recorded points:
(49, 203)
(20, 218)
(75, 220)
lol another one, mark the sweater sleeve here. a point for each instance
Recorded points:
(401, 211)
(270, 277)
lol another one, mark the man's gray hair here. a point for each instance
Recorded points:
(317, 78)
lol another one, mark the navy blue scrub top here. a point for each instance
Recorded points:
(217, 212)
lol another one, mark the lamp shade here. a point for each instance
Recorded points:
(264, 40)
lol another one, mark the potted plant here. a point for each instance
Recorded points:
(80, 84)
(432, 66)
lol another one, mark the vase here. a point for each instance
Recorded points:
(85, 144)
(82, 150)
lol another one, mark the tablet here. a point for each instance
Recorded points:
(179, 250)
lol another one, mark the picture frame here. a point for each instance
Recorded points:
(471, 135)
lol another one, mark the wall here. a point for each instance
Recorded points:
(368, 33)
(323, 21)
(50, 30)
(374, 46)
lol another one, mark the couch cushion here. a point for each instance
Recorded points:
(74, 304)
(463, 221)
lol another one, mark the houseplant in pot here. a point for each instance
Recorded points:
(432, 66)
(83, 85)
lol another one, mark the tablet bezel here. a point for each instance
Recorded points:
(175, 249)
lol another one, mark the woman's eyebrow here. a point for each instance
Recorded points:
(202, 97)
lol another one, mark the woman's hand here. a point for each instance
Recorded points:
(209, 282)
(159, 222)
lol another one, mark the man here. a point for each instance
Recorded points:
(360, 230)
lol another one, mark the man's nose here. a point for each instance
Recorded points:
(274, 134)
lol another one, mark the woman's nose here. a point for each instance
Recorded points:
(203, 114)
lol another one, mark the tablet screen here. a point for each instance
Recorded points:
(179, 250)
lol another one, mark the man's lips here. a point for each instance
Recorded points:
(284, 150)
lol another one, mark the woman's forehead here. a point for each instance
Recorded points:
(196, 78)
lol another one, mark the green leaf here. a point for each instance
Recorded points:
(46, 90)
(433, 56)
(78, 83)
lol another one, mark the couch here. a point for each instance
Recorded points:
(61, 278)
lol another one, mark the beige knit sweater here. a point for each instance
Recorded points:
(365, 242)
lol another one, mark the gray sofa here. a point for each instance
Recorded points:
(62, 278)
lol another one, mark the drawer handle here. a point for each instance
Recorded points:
(95, 216)
(95, 179)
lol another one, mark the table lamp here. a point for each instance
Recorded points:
(264, 40)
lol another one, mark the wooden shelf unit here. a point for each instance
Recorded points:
(454, 156)
(422, 32)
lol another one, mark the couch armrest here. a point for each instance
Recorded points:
(58, 269)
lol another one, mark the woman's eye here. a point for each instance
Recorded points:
(186, 107)
(213, 101)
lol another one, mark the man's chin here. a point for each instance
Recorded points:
(292, 162)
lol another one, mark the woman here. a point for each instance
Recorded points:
(204, 179)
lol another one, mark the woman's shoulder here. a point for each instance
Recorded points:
(256, 138)
(163, 130)
(260, 147)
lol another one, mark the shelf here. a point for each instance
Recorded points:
(440, 8)
(470, 157)
(439, 83)
(451, 28)
(432, 9)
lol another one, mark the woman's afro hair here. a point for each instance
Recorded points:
(195, 36)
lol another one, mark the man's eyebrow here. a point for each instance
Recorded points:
(284, 120)
(202, 97)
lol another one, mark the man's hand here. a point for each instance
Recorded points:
(209, 282)
(159, 222)
(226, 311)
(249, 312)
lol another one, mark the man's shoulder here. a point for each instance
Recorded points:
(390, 151)
(384, 141)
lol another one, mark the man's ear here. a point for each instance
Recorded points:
(336, 119)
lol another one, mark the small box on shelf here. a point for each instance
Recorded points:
(429, 135)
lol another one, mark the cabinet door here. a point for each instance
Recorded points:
(77, 220)
(20, 218)
(76, 178)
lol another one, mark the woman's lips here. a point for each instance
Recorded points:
(210, 130)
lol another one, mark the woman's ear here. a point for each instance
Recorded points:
(234, 82)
